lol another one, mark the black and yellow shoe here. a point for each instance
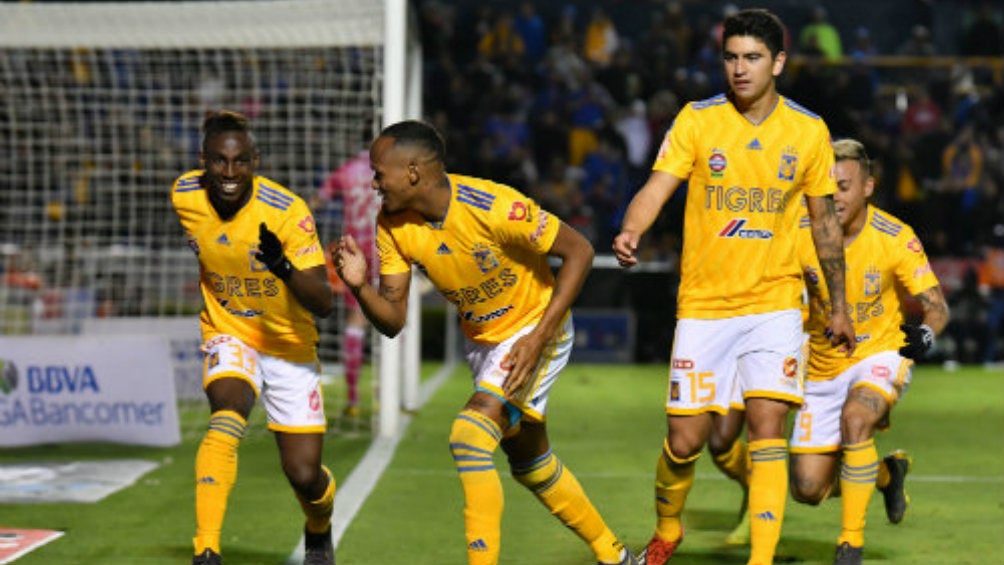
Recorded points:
(207, 557)
(318, 549)
(894, 493)
(847, 554)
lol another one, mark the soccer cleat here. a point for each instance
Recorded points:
(894, 493)
(629, 559)
(848, 555)
(318, 549)
(741, 534)
(207, 557)
(658, 551)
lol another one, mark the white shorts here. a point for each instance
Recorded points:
(817, 425)
(291, 392)
(531, 399)
(736, 398)
(761, 354)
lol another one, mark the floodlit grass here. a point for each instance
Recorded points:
(606, 425)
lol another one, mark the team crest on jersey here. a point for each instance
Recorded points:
(789, 164)
(915, 245)
(307, 225)
(717, 163)
(484, 258)
(790, 367)
(873, 282)
(674, 390)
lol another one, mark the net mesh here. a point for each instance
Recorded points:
(93, 135)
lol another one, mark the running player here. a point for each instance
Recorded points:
(749, 157)
(848, 398)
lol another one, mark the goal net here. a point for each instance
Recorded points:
(100, 110)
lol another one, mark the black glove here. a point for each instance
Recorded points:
(918, 340)
(270, 253)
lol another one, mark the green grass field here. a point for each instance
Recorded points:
(606, 425)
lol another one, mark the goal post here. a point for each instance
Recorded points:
(100, 109)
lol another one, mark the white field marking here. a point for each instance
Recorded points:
(353, 491)
(451, 472)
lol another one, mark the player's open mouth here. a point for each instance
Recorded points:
(229, 188)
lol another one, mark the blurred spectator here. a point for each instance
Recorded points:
(962, 170)
(820, 37)
(601, 40)
(501, 41)
(919, 44)
(922, 114)
(531, 29)
(991, 285)
(984, 37)
(632, 125)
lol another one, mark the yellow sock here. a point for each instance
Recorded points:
(318, 512)
(556, 487)
(734, 463)
(857, 483)
(215, 475)
(768, 490)
(673, 479)
(473, 441)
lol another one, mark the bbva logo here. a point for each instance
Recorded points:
(55, 379)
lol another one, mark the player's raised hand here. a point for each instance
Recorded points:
(271, 254)
(350, 262)
(625, 244)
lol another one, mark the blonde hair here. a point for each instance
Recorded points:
(852, 150)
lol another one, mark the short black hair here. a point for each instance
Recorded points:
(223, 121)
(417, 133)
(758, 23)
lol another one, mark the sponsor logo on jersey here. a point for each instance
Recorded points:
(683, 364)
(223, 240)
(717, 163)
(789, 164)
(484, 258)
(735, 229)
(312, 248)
(922, 271)
(754, 145)
(307, 225)
(519, 212)
(881, 371)
(443, 249)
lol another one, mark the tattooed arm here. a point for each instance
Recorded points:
(828, 238)
(935, 309)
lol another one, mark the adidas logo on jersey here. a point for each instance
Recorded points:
(755, 145)
(443, 250)
(223, 240)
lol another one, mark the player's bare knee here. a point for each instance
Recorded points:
(808, 490)
(305, 478)
(684, 447)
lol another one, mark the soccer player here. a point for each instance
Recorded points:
(847, 398)
(485, 247)
(749, 156)
(351, 181)
(263, 279)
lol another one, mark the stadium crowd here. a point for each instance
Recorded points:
(569, 103)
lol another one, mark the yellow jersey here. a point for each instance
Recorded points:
(886, 258)
(242, 298)
(488, 256)
(745, 187)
